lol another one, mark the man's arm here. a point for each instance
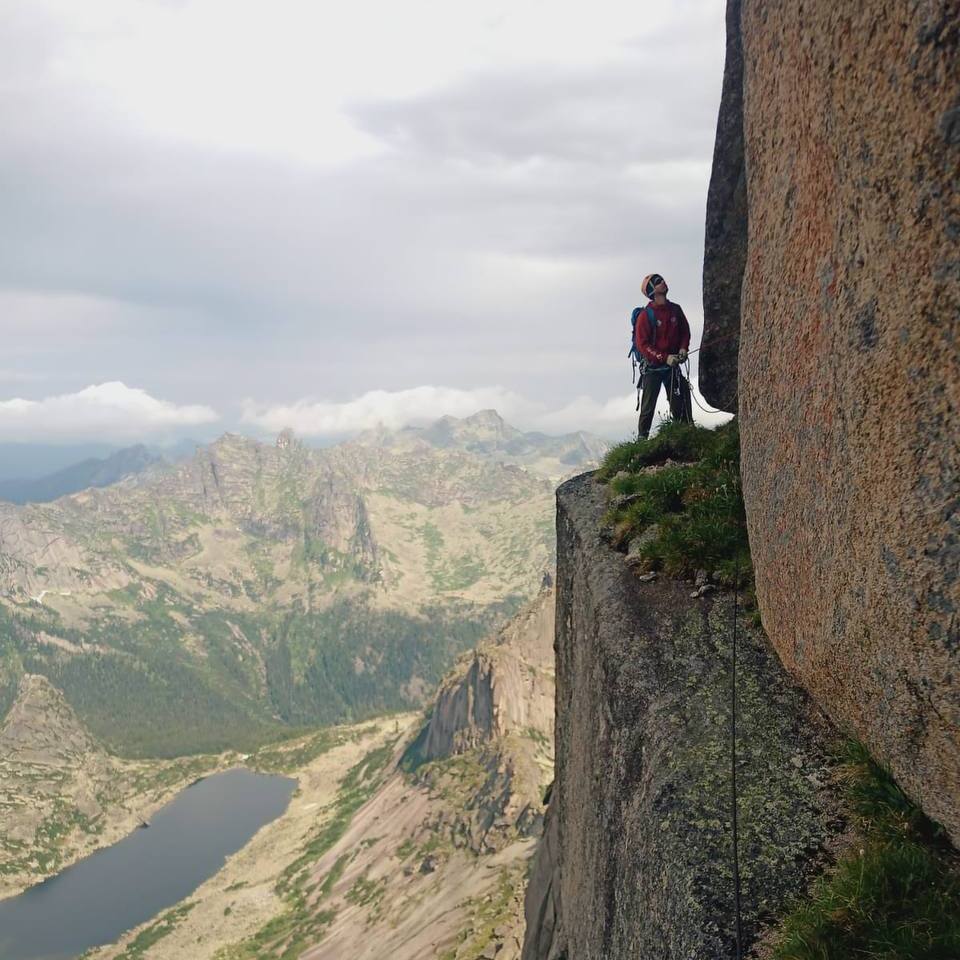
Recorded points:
(684, 330)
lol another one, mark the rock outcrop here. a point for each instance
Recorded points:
(434, 864)
(726, 230)
(503, 686)
(849, 364)
(636, 856)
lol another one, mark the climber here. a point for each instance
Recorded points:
(661, 339)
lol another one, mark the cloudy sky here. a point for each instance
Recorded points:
(228, 214)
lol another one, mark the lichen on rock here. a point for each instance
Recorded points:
(637, 855)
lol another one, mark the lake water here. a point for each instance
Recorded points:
(97, 899)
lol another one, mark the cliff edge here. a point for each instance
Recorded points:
(636, 860)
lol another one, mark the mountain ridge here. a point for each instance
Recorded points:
(91, 472)
(218, 601)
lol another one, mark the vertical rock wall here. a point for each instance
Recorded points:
(726, 232)
(849, 366)
(504, 686)
(635, 861)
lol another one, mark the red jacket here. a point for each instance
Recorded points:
(670, 335)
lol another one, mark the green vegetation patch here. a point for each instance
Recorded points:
(51, 842)
(894, 896)
(680, 493)
(487, 914)
(11, 668)
(286, 759)
(157, 930)
(365, 891)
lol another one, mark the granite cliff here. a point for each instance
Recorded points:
(832, 304)
(636, 860)
(835, 199)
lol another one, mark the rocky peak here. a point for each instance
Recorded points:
(483, 431)
(285, 439)
(505, 685)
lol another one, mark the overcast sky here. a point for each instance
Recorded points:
(224, 214)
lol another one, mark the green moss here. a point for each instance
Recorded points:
(692, 511)
(894, 896)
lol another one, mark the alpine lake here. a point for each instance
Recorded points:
(96, 900)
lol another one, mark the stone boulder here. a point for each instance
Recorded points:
(849, 365)
(726, 233)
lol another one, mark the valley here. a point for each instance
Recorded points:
(409, 836)
(293, 611)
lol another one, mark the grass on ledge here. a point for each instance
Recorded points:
(685, 483)
(895, 896)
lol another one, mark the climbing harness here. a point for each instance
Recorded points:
(639, 364)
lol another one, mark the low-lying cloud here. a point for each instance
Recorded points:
(312, 418)
(105, 411)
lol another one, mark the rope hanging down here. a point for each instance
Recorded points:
(733, 766)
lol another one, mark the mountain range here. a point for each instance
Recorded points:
(257, 589)
(90, 472)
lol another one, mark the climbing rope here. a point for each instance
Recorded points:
(733, 765)
(693, 396)
(638, 382)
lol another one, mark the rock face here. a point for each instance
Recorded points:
(434, 864)
(636, 856)
(849, 384)
(506, 685)
(726, 231)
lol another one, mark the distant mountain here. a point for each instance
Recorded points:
(487, 434)
(26, 461)
(255, 588)
(92, 472)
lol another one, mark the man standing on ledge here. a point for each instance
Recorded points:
(661, 336)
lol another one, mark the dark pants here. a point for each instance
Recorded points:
(678, 393)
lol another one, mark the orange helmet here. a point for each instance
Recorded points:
(649, 282)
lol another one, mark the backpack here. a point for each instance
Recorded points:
(637, 359)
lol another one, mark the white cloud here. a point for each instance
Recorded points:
(320, 418)
(614, 417)
(105, 411)
(276, 79)
(220, 231)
